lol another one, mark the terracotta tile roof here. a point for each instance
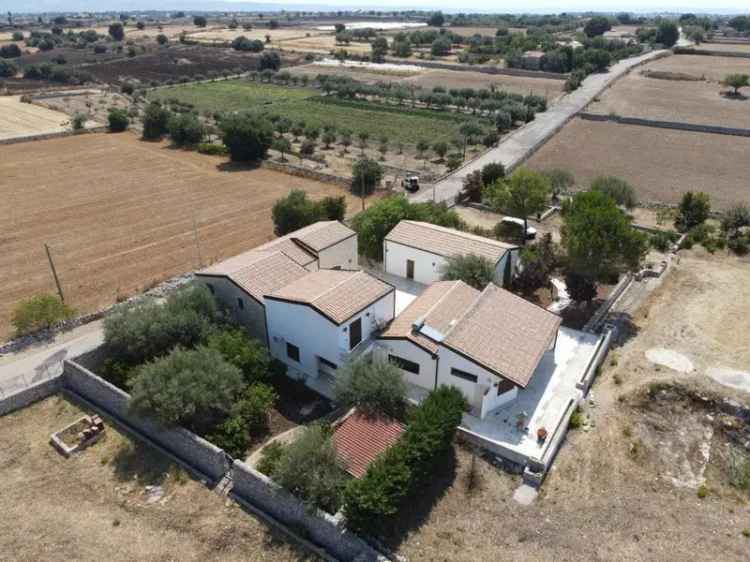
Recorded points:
(322, 234)
(337, 294)
(446, 242)
(496, 329)
(505, 333)
(441, 303)
(258, 273)
(360, 439)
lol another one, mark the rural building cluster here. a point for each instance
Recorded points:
(367, 285)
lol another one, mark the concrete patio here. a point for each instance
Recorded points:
(542, 404)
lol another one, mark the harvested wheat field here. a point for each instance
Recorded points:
(698, 102)
(118, 500)
(547, 87)
(23, 119)
(118, 215)
(702, 66)
(743, 48)
(661, 164)
(322, 44)
(277, 35)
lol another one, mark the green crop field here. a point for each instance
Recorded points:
(399, 124)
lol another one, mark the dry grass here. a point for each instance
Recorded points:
(712, 68)
(695, 102)
(118, 215)
(323, 44)
(726, 48)
(94, 507)
(610, 495)
(277, 35)
(660, 164)
(20, 119)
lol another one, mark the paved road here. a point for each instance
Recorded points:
(41, 362)
(523, 142)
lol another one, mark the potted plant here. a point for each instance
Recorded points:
(541, 434)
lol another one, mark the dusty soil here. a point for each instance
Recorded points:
(725, 47)
(712, 68)
(660, 164)
(115, 229)
(21, 119)
(95, 104)
(697, 102)
(620, 490)
(95, 505)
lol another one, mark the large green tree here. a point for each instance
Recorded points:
(473, 270)
(524, 193)
(376, 388)
(598, 238)
(247, 136)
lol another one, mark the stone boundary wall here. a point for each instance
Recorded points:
(659, 124)
(709, 53)
(195, 451)
(65, 94)
(480, 68)
(306, 173)
(593, 324)
(249, 485)
(29, 395)
(47, 136)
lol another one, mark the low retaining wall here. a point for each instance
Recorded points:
(659, 124)
(47, 136)
(710, 53)
(195, 451)
(593, 324)
(255, 488)
(589, 374)
(305, 173)
(29, 395)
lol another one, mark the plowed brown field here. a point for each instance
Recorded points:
(118, 215)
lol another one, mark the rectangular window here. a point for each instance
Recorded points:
(292, 351)
(327, 363)
(404, 364)
(240, 304)
(211, 288)
(464, 375)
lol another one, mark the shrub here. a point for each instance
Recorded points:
(307, 148)
(185, 129)
(127, 88)
(492, 172)
(296, 211)
(78, 121)
(366, 176)
(694, 209)
(740, 245)
(162, 39)
(247, 136)
(472, 188)
(212, 149)
(7, 69)
(580, 288)
(246, 353)
(116, 31)
(254, 405)
(410, 463)
(11, 51)
(155, 121)
(194, 388)
(17, 36)
(231, 435)
(472, 269)
(663, 240)
(454, 161)
(39, 313)
(141, 332)
(269, 61)
(118, 120)
(538, 262)
(269, 457)
(376, 388)
(619, 190)
(734, 219)
(242, 43)
(560, 180)
(310, 469)
(577, 419)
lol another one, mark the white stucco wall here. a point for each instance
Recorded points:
(427, 266)
(252, 317)
(343, 255)
(407, 350)
(317, 336)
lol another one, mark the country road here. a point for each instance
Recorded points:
(523, 142)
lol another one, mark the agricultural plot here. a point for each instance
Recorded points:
(698, 102)
(276, 35)
(726, 47)
(120, 214)
(399, 124)
(660, 164)
(24, 119)
(365, 74)
(323, 44)
(701, 66)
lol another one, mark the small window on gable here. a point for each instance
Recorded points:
(464, 375)
(240, 304)
(292, 351)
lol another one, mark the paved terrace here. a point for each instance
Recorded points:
(523, 142)
(543, 402)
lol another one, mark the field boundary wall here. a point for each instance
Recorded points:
(660, 124)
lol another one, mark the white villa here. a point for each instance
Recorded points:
(419, 251)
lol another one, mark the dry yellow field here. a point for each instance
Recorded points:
(323, 44)
(712, 68)
(277, 35)
(22, 119)
(119, 213)
(727, 48)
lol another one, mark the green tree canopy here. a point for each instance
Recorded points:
(366, 176)
(694, 209)
(597, 26)
(296, 211)
(473, 270)
(619, 190)
(155, 121)
(246, 353)
(736, 81)
(598, 238)
(667, 33)
(376, 388)
(379, 49)
(39, 313)
(524, 193)
(247, 136)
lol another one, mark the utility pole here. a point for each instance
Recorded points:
(54, 272)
